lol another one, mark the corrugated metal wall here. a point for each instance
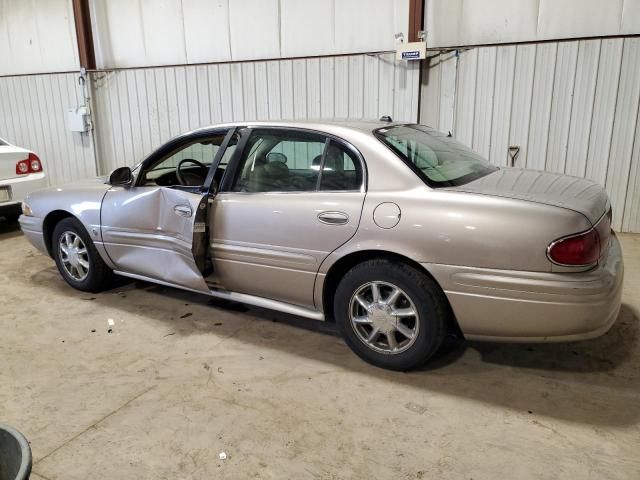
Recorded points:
(32, 115)
(571, 107)
(139, 109)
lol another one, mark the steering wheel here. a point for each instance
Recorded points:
(187, 178)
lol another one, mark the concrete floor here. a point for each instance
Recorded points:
(181, 379)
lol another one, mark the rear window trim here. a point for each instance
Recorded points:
(465, 179)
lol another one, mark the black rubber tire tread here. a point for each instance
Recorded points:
(100, 275)
(427, 296)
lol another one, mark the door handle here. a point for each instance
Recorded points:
(183, 210)
(333, 218)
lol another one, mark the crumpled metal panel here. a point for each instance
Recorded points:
(144, 235)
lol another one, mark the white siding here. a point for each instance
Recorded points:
(32, 116)
(37, 37)
(571, 107)
(139, 109)
(452, 23)
(138, 33)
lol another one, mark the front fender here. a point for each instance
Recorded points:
(82, 200)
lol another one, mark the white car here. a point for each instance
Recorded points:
(21, 173)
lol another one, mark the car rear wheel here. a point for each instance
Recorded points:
(390, 314)
(77, 259)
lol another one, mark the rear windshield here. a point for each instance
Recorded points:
(438, 159)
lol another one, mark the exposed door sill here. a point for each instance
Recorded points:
(268, 303)
(239, 297)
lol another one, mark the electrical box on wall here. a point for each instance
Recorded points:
(411, 51)
(78, 119)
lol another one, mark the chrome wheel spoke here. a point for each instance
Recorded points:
(363, 303)
(83, 263)
(362, 320)
(375, 292)
(391, 340)
(404, 330)
(403, 312)
(393, 296)
(373, 334)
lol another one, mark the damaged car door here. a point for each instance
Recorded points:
(156, 227)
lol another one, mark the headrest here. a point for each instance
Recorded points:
(276, 169)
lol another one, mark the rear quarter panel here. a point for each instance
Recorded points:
(476, 230)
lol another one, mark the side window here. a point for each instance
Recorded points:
(341, 170)
(194, 160)
(280, 161)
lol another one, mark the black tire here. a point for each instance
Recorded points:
(99, 275)
(427, 297)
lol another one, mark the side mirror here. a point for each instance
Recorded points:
(121, 177)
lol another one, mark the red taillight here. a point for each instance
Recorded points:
(31, 165)
(22, 167)
(34, 163)
(577, 250)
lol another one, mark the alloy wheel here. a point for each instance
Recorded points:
(73, 255)
(384, 317)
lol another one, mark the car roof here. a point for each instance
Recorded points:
(361, 125)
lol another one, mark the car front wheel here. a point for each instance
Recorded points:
(77, 259)
(391, 314)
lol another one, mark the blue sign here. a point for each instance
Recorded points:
(411, 55)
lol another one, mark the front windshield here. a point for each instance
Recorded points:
(438, 159)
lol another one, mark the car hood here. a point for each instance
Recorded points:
(93, 184)
(559, 190)
(74, 192)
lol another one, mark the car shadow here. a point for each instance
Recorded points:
(590, 382)
(9, 228)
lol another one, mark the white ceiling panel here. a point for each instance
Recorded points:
(479, 22)
(136, 33)
(206, 30)
(255, 29)
(304, 34)
(37, 37)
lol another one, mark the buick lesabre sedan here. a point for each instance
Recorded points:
(396, 232)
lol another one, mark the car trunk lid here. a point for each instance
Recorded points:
(573, 193)
(9, 156)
